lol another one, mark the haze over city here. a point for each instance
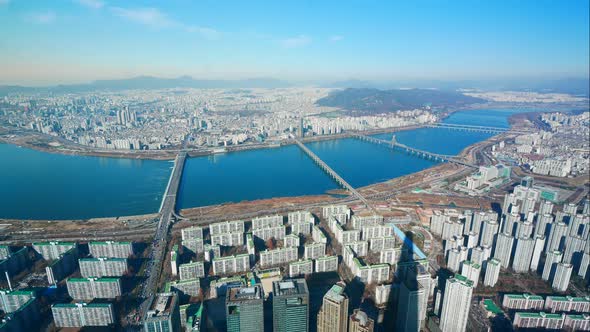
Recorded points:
(294, 166)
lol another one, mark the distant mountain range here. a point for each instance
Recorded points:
(149, 82)
(369, 101)
(573, 86)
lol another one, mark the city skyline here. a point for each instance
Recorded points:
(85, 40)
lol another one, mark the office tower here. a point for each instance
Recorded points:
(11, 301)
(411, 307)
(492, 272)
(551, 260)
(111, 249)
(91, 288)
(84, 314)
(290, 306)
(557, 233)
(527, 181)
(562, 277)
(53, 250)
(537, 252)
(244, 309)
(503, 250)
(543, 222)
(546, 207)
(163, 314)
(102, 267)
(511, 220)
(586, 208)
(333, 315)
(360, 322)
(471, 271)
(456, 304)
(488, 233)
(524, 229)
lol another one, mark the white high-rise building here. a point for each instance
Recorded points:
(537, 252)
(562, 277)
(488, 233)
(523, 254)
(471, 271)
(503, 249)
(456, 304)
(492, 272)
(558, 232)
(543, 223)
(551, 260)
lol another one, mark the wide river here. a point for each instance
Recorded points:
(40, 185)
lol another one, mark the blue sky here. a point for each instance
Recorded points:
(62, 41)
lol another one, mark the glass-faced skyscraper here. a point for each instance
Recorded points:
(290, 306)
(244, 309)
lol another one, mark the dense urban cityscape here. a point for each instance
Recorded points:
(180, 166)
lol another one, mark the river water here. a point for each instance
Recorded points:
(40, 185)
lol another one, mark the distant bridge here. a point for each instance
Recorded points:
(422, 153)
(484, 129)
(333, 173)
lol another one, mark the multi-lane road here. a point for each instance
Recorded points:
(156, 259)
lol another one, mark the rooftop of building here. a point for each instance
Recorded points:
(109, 242)
(569, 298)
(539, 315)
(462, 279)
(94, 279)
(362, 318)
(237, 294)
(490, 306)
(162, 305)
(81, 304)
(290, 287)
(112, 259)
(336, 293)
(54, 243)
(524, 296)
